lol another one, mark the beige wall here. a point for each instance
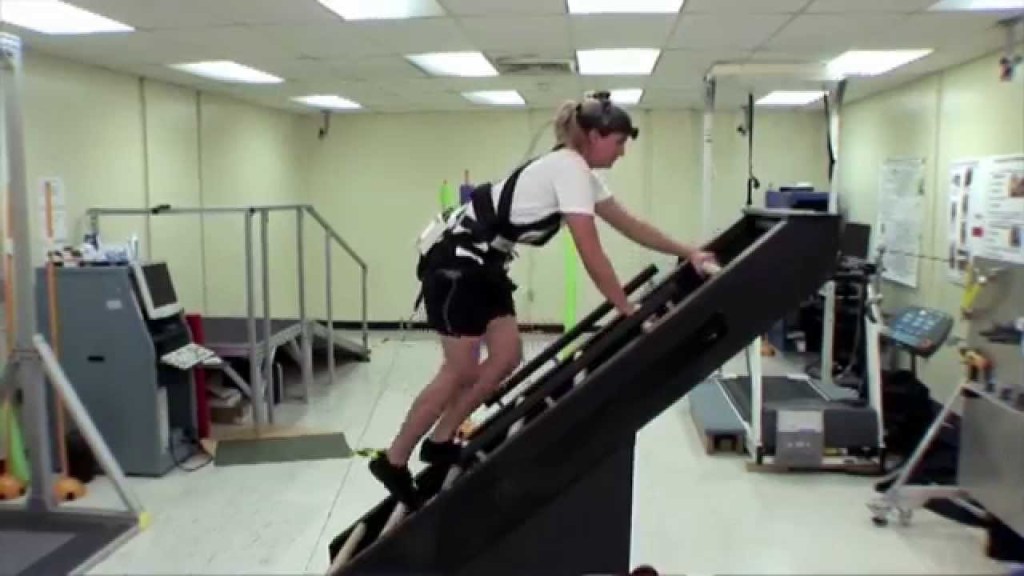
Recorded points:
(964, 112)
(377, 179)
(120, 142)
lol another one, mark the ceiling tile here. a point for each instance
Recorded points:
(744, 31)
(819, 31)
(884, 6)
(621, 30)
(337, 40)
(233, 42)
(745, 6)
(154, 14)
(522, 34)
(673, 98)
(271, 11)
(157, 47)
(552, 92)
(938, 30)
(415, 36)
(376, 68)
(503, 7)
(687, 68)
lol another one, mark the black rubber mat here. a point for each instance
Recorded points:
(47, 544)
(773, 389)
(287, 449)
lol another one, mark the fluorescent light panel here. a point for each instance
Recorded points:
(977, 5)
(495, 97)
(789, 98)
(625, 6)
(328, 101)
(617, 62)
(383, 9)
(58, 18)
(228, 71)
(872, 62)
(627, 96)
(465, 64)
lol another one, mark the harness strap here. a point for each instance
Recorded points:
(493, 224)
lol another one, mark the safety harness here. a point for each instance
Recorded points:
(487, 237)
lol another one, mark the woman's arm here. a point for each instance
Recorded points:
(596, 262)
(639, 231)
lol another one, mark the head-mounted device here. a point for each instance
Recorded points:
(606, 119)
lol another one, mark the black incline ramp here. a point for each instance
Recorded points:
(546, 482)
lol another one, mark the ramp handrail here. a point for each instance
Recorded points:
(331, 238)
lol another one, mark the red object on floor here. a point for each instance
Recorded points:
(195, 324)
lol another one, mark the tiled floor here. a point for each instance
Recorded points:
(694, 514)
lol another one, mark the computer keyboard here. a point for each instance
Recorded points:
(188, 356)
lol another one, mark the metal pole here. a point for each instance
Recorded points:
(710, 86)
(366, 304)
(166, 209)
(255, 382)
(829, 321)
(330, 306)
(756, 375)
(268, 360)
(307, 346)
(88, 428)
(28, 371)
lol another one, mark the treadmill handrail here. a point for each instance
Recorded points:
(567, 338)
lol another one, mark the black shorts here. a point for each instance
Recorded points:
(463, 302)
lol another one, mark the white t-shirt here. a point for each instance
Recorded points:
(558, 182)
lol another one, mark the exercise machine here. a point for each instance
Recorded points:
(990, 396)
(545, 484)
(795, 422)
(137, 380)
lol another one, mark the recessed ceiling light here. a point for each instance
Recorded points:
(625, 6)
(627, 96)
(787, 98)
(872, 62)
(328, 101)
(56, 17)
(977, 5)
(383, 9)
(613, 62)
(466, 64)
(227, 71)
(495, 97)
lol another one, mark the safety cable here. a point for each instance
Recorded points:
(829, 145)
(752, 182)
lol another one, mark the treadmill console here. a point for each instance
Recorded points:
(920, 330)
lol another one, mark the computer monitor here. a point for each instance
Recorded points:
(156, 290)
(856, 240)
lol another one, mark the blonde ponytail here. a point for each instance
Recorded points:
(568, 132)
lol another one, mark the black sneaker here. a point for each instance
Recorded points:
(446, 453)
(398, 481)
(441, 456)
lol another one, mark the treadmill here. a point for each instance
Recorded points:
(795, 422)
(544, 486)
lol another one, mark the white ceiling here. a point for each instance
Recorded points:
(317, 52)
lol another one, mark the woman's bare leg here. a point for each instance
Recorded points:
(459, 370)
(504, 353)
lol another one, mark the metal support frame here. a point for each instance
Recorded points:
(835, 89)
(32, 363)
(261, 362)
